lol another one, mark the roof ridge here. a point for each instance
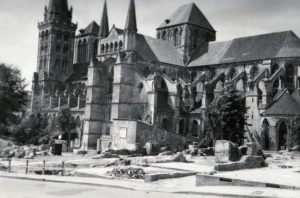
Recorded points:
(264, 34)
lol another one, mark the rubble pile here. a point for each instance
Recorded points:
(128, 173)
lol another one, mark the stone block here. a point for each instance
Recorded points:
(226, 151)
(251, 149)
(253, 161)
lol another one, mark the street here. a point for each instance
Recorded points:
(15, 188)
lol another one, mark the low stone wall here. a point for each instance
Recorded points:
(132, 135)
(146, 133)
(157, 176)
(211, 180)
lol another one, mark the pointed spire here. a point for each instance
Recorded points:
(104, 27)
(58, 10)
(131, 17)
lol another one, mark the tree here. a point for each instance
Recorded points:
(67, 125)
(226, 117)
(31, 130)
(13, 96)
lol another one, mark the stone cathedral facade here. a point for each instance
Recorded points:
(125, 89)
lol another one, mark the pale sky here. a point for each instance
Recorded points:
(231, 19)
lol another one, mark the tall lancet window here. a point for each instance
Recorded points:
(175, 37)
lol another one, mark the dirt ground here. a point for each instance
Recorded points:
(283, 167)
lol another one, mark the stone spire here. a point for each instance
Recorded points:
(104, 27)
(130, 28)
(58, 10)
(131, 18)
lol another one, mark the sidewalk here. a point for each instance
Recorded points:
(181, 185)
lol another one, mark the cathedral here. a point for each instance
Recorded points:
(125, 88)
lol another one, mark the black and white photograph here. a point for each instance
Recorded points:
(149, 98)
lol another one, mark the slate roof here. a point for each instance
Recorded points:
(188, 13)
(119, 31)
(92, 28)
(296, 96)
(259, 47)
(285, 105)
(152, 49)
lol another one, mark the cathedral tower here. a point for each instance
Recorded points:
(188, 30)
(55, 50)
(56, 40)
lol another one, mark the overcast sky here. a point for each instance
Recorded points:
(231, 19)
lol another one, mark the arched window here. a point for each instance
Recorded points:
(66, 49)
(59, 35)
(170, 36)
(179, 38)
(84, 50)
(195, 128)
(95, 48)
(289, 77)
(181, 127)
(45, 64)
(259, 96)
(102, 49)
(43, 36)
(46, 48)
(116, 46)
(164, 124)
(66, 36)
(46, 35)
(265, 134)
(175, 37)
(253, 72)
(120, 45)
(274, 68)
(79, 51)
(41, 64)
(163, 36)
(57, 62)
(282, 130)
(111, 47)
(231, 73)
(158, 35)
(194, 39)
(106, 48)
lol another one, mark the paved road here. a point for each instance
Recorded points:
(15, 188)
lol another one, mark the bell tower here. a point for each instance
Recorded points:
(56, 40)
(55, 51)
(188, 30)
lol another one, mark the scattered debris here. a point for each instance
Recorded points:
(295, 148)
(179, 157)
(166, 153)
(3, 168)
(210, 151)
(106, 154)
(128, 173)
(285, 166)
(119, 162)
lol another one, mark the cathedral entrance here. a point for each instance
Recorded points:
(195, 128)
(181, 127)
(282, 136)
(265, 135)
